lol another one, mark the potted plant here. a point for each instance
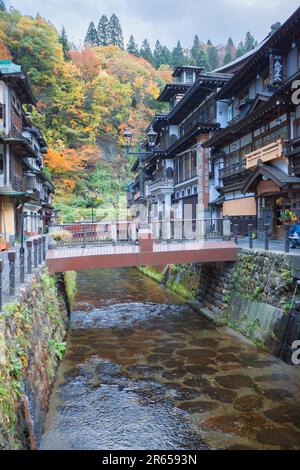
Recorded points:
(287, 217)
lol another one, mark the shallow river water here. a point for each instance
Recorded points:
(144, 371)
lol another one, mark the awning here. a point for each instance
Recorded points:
(268, 172)
(11, 192)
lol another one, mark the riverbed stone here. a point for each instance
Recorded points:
(284, 438)
(248, 403)
(235, 381)
(198, 406)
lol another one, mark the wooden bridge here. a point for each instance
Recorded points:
(93, 246)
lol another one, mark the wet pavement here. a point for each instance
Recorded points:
(144, 371)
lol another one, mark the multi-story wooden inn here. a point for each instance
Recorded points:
(24, 189)
(230, 143)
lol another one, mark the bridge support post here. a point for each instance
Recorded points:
(22, 265)
(235, 233)
(12, 272)
(44, 247)
(29, 256)
(226, 229)
(114, 235)
(250, 234)
(35, 252)
(40, 250)
(267, 236)
(286, 238)
(133, 232)
(146, 241)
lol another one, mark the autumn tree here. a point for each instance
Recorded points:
(102, 31)
(132, 46)
(91, 38)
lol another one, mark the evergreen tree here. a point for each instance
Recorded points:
(157, 54)
(103, 39)
(177, 55)
(115, 32)
(146, 52)
(195, 50)
(240, 50)
(209, 43)
(230, 43)
(165, 56)
(228, 57)
(132, 46)
(2, 5)
(63, 39)
(249, 42)
(213, 57)
(91, 38)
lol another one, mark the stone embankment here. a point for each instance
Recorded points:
(32, 335)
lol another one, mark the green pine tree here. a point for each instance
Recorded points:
(240, 50)
(132, 46)
(63, 39)
(177, 55)
(103, 39)
(2, 5)
(115, 32)
(249, 42)
(213, 57)
(157, 54)
(227, 57)
(165, 56)
(195, 50)
(91, 38)
(146, 52)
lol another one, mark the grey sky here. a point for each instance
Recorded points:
(167, 20)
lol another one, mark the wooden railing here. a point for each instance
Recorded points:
(162, 184)
(273, 151)
(232, 170)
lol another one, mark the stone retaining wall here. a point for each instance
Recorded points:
(32, 332)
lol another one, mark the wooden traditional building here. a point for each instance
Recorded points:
(24, 188)
(256, 154)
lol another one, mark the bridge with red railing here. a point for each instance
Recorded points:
(123, 244)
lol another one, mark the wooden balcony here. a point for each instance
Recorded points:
(268, 153)
(233, 170)
(162, 185)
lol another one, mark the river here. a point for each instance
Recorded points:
(144, 371)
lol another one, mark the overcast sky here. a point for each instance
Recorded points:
(167, 20)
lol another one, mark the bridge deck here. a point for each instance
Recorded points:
(75, 259)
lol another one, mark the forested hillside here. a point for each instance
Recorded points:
(85, 98)
(203, 54)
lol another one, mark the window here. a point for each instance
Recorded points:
(187, 172)
(189, 77)
(180, 173)
(182, 193)
(189, 191)
(193, 163)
